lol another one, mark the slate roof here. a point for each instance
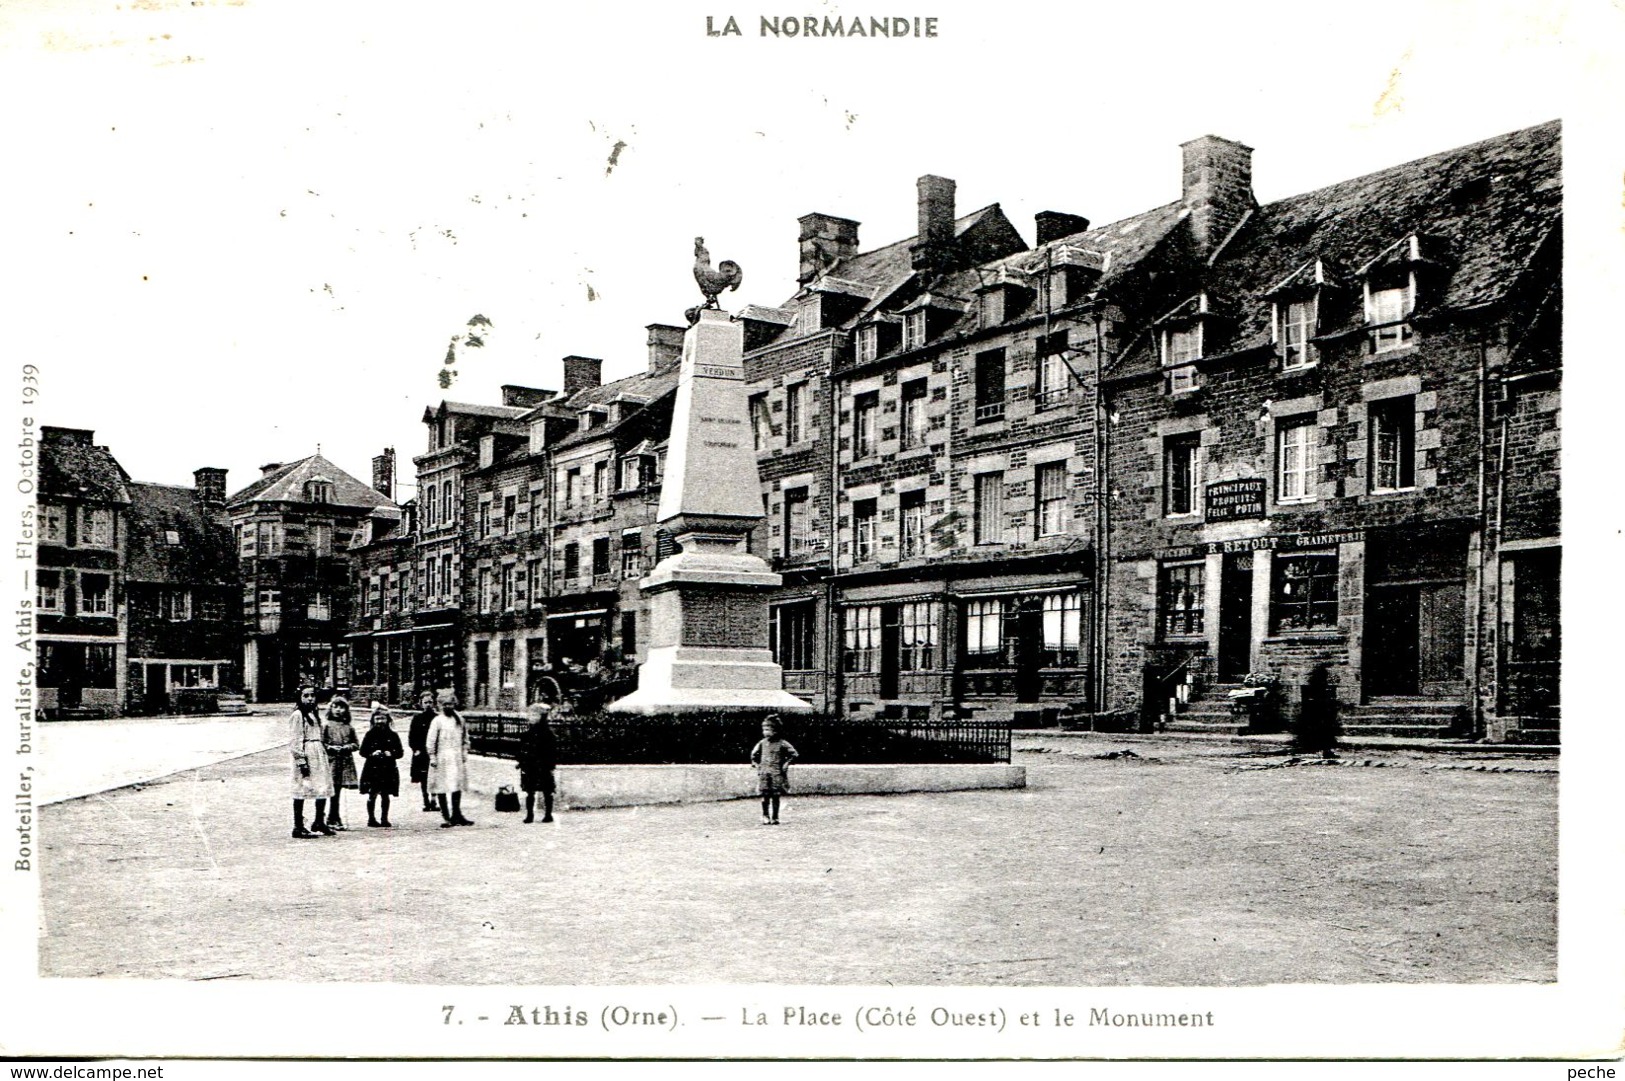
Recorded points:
(202, 552)
(643, 385)
(287, 485)
(72, 466)
(1482, 211)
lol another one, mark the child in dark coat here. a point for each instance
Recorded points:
(772, 757)
(537, 757)
(380, 776)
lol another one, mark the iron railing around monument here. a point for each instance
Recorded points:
(606, 739)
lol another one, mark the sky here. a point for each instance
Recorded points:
(253, 229)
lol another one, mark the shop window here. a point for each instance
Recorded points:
(1063, 630)
(1179, 475)
(984, 632)
(911, 510)
(100, 666)
(1294, 460)
(1393, 444)
(791, 634)
(1304, 597)
(1053, 511)
(191, 675)
(915, 424)
(989, 508)
(1180, 600)
(864, 517)
(917, 636)
(862, 639)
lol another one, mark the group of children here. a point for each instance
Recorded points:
(324, 763)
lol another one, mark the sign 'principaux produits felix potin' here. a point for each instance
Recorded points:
(708, 644)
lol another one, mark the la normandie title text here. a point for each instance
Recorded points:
(824, 26)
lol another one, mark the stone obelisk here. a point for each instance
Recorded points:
(708, 646)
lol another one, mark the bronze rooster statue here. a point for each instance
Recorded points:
(727, 274)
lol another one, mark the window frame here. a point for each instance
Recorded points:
(860, 638)
(865, 424)
(987, 507)
(1389, 331)
(914, 424)
(865, 534)
(1055, 502)
(1392, 419)
(1188, 620)
(990, 405)
(1305, 472)
(1300, 354)
(795, 412)
(1187, 445)
(913, 532)
(1323, 567)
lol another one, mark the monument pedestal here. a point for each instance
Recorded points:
(708, 647)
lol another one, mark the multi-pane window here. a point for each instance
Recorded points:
(795, 413)
(1181, 347)
(984, 631)
(191, 675)
(507, 671)
(95, 595)
(862, 638)
(175, 605)
(448, 514)
(990, 386)
(600, 556)
(53, 524)
(915, 424)
(1393, 444)
(1387, 312)
(989, 508)
(485, 517)
(1054, 382)
(1179, 475)
(96, 527)
(1295, 327)
(1063, 630)
(758, 421)
(402, 588)
(572, 561)
(791, 633)
(269, 538)
(911, 512)
(1294, 460)
(1305, 593)
(865, 415)
(797, 522)
(1053, 511)
(510, 513)
(1180, 600)
(917, 636)
(864, 517)
(631, 554)
(914, 329)
(482, 589)
(319, 605)
(533, 582)
(50, 590)
(572, 486)
(510, 582)
(320, 535)
(446, 586)
(600, 481)
(868, 343)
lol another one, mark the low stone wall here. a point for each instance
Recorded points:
(587, 787)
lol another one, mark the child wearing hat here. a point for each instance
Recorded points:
(772, 757)
(380, 775)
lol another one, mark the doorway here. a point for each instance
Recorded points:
(1235, 646)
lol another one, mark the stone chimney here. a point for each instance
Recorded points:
(582, 373)
(525, 397)
(383, 473)
(1217, 189)
(1053, 225)
(665, 346)
(269, 467)
(209, 485)
(824, 239)
(934, 241)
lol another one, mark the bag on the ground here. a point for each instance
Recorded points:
(507, 799)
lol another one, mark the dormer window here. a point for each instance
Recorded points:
(318, 490)
(1387, 312)
(1181, 348)
(868, 342)
(590, 419)
(1296, 322)
(914, 329)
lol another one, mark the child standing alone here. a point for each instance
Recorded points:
(772, 757)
